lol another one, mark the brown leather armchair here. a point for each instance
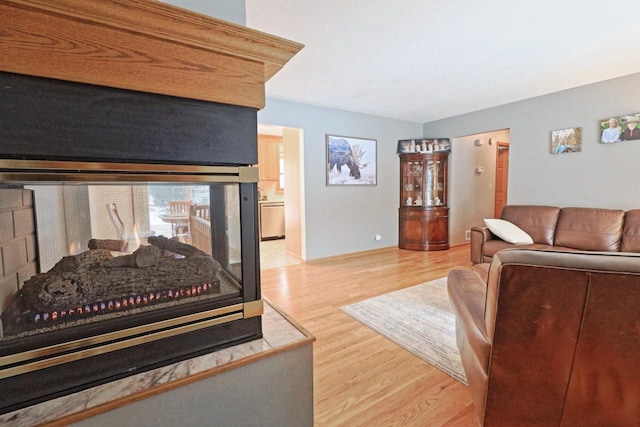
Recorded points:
(551, 338)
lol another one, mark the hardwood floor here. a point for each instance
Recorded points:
(361, 378)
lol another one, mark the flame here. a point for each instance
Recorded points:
(75, 248)
(136, 238)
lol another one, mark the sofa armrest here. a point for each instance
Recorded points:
(479, 235)
(467, 295)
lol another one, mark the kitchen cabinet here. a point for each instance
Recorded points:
(269, 149)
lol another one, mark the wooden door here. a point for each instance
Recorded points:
(502, 177)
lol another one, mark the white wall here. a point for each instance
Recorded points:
(599, 176)
(344, 219)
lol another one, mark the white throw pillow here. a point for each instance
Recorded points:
(508, 232)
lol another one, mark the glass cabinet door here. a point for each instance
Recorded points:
(423, 180)
(412, 183)
(435, 182)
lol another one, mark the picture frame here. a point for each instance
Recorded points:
(566, 140)
(351, 160)
(620, 128)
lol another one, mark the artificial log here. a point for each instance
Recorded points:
(143, 257)
(92, 277)
(176, 247)
(112, 245)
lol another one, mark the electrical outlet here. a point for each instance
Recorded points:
(467, 235)
(378, 237)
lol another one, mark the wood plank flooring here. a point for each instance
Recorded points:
(361, 378)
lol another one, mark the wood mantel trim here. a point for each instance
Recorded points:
(140, 45)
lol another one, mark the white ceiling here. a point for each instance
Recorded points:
(423, 60)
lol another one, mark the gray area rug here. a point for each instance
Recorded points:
(418, 319)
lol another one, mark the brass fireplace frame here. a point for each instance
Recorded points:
(100, 344)
(24, 171)
(45, 171)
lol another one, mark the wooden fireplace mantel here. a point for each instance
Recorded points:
(140, 45)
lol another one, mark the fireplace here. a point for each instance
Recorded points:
(99, 278)
(97, 269)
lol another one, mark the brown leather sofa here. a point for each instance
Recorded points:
(552, 338)
(565, 229)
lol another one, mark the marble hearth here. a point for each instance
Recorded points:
(169, 395)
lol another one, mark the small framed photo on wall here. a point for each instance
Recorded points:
(566, 141)
(621, 128)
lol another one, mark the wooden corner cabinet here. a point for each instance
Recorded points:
(424, 215)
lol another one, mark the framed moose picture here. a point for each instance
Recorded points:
(351, 161)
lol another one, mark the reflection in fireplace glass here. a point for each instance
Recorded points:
(104, 251)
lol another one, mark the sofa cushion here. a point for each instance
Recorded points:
(496, 245)
(631, 232)
(508, 231)
(590, 229)
(539, 222)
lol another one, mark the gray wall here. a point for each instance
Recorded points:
(229, 10)
(272, 391)
(344, 219)
(599, 176)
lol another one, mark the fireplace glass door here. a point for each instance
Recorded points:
(108, 251)
(127, 269)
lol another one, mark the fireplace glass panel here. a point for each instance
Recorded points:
(90, 253)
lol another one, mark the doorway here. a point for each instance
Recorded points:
(473, 182)
(502, 177)
(285, 187)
